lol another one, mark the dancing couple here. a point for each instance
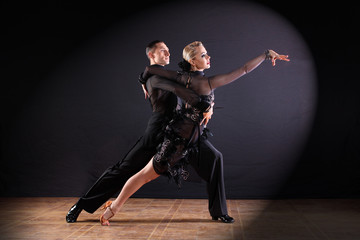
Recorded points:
(176, 134)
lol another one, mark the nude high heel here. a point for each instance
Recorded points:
(103, 220)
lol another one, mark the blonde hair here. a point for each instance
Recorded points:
(189, 51)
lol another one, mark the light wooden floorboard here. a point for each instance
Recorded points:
(293, 219)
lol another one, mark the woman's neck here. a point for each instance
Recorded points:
(194, 69)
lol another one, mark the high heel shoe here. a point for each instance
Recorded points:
(105, 221)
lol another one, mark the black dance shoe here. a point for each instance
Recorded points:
(224, 218)
(73, 213)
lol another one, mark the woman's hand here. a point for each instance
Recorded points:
(207, 115)
(275, 56)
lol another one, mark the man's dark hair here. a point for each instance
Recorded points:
(150, 47)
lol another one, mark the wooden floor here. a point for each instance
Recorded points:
(44, 218)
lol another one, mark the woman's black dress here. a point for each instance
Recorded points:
(181, 137)
(183, 131)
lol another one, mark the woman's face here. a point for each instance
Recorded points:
(201, 61)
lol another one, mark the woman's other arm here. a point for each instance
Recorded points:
(223, 79)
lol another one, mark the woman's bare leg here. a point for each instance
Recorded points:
(145, 175)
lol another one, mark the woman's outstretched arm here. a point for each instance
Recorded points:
(223, 79)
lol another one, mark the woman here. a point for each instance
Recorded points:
(182, 133)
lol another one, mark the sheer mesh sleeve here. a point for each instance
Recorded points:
(188, 95)
(179, 77)
(223, 79)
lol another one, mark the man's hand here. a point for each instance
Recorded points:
(207, 115)
(145, 91)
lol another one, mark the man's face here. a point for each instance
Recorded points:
(161, 55)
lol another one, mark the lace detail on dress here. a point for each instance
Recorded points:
(181, 139)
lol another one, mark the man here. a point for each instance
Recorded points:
(163, 102)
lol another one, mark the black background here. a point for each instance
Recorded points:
(36, 37)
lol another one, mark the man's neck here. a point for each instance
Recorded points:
(155, 64)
